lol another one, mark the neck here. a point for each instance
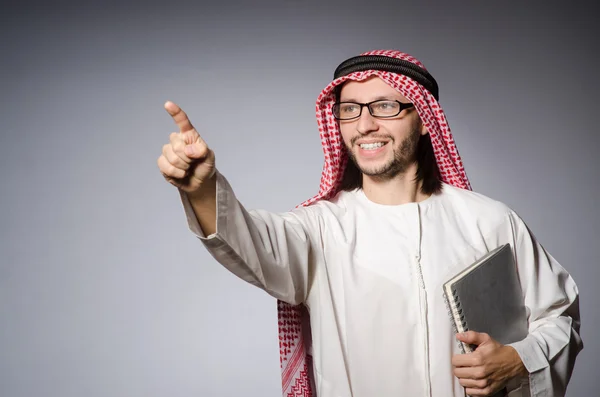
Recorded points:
(401, 189)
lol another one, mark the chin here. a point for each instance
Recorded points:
(379, 168)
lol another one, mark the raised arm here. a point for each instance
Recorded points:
(275, 252)
(187, 163)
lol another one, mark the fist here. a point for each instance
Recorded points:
(186, 161)
(486, 370)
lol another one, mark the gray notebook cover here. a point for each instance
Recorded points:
(488, 298)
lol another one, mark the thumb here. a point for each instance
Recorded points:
(195, 150)
(473, 338)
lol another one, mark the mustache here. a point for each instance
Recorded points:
(356, 138)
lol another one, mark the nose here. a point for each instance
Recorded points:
(366, 123)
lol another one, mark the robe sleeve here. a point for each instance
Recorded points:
(271, 251)
(552, 300)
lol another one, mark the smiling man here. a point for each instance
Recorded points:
(393, 219)
(384, 144)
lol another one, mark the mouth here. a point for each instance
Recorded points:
(372, 146)
(370, 151)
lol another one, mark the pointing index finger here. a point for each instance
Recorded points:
(181, 119)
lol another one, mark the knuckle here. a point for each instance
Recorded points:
(162, 162)
(180, 163)
(168, 169)
(480, 374)
(176, 172)
(169, 158)
(177, 150)
(178, 145)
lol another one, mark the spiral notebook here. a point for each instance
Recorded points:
(487, 297)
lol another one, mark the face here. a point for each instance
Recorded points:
(381, 148)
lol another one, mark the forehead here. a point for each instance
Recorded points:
(367, 90)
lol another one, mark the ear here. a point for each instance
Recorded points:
(422, 128)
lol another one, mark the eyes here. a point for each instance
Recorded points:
(380, 108)
(348, 108)
(384, 106)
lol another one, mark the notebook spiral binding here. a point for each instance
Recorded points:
(457, 319)
(453, 307)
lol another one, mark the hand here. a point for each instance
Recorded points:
(186, 161)
(487, 369)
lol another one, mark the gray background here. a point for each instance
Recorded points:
(105, 292)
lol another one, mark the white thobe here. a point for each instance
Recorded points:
(371, 277)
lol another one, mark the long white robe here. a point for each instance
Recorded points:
(371, 277)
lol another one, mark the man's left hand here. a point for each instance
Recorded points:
(487, 369)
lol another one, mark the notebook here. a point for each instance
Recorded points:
(487, 297)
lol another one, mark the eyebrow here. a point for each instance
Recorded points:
(378, 98)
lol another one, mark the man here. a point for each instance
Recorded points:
(394, 218)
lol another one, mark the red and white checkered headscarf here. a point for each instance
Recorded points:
(295, 361)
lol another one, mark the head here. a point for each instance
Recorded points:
(383, 146)
(417, 138)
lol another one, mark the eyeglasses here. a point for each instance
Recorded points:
(380, 109)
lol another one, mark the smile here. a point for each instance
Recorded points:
(372, 146)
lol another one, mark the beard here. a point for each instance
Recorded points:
(403, 157)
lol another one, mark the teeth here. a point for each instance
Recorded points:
(371, 146)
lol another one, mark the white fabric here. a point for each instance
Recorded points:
(371, 277)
